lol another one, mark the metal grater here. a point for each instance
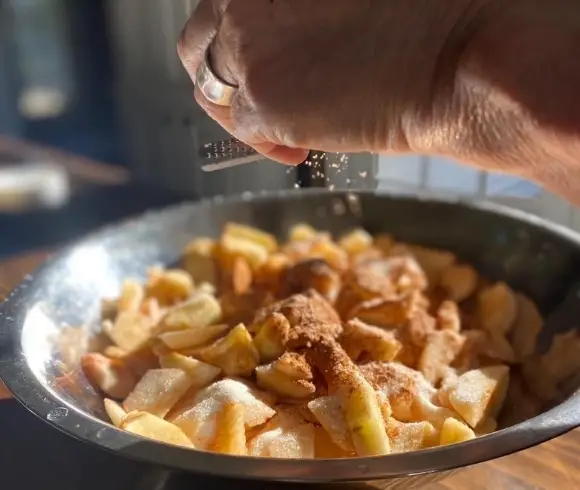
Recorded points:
(226, 154)
(232, 152)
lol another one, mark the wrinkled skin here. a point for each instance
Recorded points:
(460, 78)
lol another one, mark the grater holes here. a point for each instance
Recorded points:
(226, 153)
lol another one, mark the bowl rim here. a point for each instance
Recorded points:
(47, 405)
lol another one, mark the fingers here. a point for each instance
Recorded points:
(285, 154)
(199, 33)
(223, 116)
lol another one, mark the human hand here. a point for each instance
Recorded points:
(488, 82)
(331, 75)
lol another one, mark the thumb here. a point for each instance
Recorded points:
(282, 154)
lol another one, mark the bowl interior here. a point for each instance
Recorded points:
(537, 259)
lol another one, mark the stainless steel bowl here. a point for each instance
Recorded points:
(537, 257)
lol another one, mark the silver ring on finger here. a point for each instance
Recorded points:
(213, 87)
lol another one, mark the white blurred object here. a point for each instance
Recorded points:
(42, 102)
(43, 55)
(33, 185)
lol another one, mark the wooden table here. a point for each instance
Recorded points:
(551, 466)
(80, 169)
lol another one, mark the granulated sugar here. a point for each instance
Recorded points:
(199, 422)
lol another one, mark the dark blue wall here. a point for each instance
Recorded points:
(89, 126)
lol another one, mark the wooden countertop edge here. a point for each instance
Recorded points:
(77, 165)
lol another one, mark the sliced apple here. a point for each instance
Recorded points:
(201, 310)
(527, 327)
(324, 446)
(131, 330)
(115, 411)
(497, 309)
(158, 391)
(198, 260)
(328, 411)
(147, 425)
(169, 286)
(231, 436)
(286, 435)
(131, 297)
(235, 353)
(412, 436)
(255, 235)
(200, 421)
(289, 376)
(192, 337)
(111, 376)
(202, 374)
(480, 393)
(454, 431)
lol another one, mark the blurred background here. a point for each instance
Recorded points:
(56, 82)
(98, 122)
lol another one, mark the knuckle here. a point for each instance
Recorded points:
(258, 121)
(240, 109)
(287, 136)
(220, 7)
(245, 119)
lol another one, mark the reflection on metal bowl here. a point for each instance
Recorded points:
(532, 255)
